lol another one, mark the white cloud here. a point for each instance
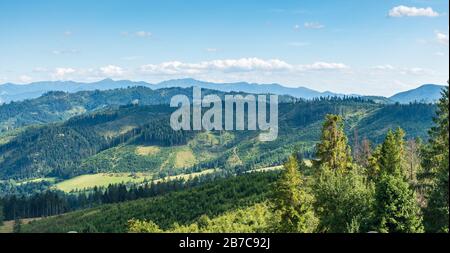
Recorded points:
(230, 65)
(313, 25)
(25, 79)
(62, 73)
(112, 71)
(442, 38)
(236, 66)
(405, 11)
(384, 67)
(211, 50)
(296, 27)
(403, 70)
(323, 66)
(143, 34)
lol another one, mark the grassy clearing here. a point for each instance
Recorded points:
(105, 179)
(185, 158)
(147, 150)
(101, 180)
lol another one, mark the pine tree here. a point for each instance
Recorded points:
(333, 150)
(437, 211)
(292, 202)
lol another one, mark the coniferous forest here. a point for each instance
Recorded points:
(330, 171)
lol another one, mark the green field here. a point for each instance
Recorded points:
(101, 180)
(105, 179)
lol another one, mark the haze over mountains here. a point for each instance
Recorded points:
(428, 93)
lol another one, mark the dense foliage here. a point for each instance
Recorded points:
(101, 141)
(182, 207)
(390, 183)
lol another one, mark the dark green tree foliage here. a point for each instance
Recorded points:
(38, 151)
(343, 196)
(333, 151)
(160, 133)
(437, 163)
(392, 153)
(292, 202)
(183, 207)
(50, 203)
(344, 201)
(396, 207)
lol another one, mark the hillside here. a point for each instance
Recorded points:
(15, 92)
(59, 106)
(428, 93)
(182, 207)
(139, 139)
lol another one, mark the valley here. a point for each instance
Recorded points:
(122, 162)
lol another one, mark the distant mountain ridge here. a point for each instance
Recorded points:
(14, 92)
(428, 93)
(300, 92)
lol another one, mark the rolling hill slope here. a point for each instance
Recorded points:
(58, 106)
(182, 207)
(139, 139)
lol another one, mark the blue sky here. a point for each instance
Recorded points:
(351, 46)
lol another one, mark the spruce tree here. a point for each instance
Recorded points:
(291, 202)
(396, 207)
(437, 164)
(392, 153)
(333, 150)
(344, 201)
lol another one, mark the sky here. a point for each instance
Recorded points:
(368, 47)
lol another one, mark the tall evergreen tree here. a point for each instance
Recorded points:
(292, 202)
(392, 153)
(333, 150)
(343, 201)
(437, 163)
(396, 207)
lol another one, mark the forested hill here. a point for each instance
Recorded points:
(136, 138)
(57, 105)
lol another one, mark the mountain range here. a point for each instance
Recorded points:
(428, 93)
